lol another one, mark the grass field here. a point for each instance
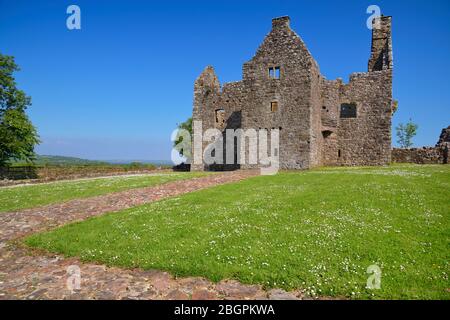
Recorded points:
(28, 196)
(317, 230)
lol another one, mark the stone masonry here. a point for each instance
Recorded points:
(444, 138)
(321, 122)
(425, 155)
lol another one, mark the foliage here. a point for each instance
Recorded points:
(45, 160)
(318, 231)
(405, 133)
(187, 125)
(394, 106)
(17, 134)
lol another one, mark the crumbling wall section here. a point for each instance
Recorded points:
(444, 138)
(425, 155)
(207, 94)
(381, 57)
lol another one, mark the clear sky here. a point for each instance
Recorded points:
(117, 88)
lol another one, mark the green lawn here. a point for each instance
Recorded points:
(29, 196)
(318, 230)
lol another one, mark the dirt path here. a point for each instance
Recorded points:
(32, 275)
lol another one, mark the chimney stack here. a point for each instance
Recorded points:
(381, 53)
(281, 22)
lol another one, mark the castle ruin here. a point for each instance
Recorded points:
(322, 122)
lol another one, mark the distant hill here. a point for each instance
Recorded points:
(154, 162)
(42, 160)
(60, 160)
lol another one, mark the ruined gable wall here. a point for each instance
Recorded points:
(210, 97)
(206, 100)
(206, 97)
(282, 48)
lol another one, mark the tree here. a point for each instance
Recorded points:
(394, 106)
(18, 136)
(405, 133)
(187, 125)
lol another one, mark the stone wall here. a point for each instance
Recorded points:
(366, 139)
(425, 155)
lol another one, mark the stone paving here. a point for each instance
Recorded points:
(30, 274)
(26, 275)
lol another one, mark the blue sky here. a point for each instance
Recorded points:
(117, 88)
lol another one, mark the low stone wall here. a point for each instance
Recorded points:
(29, 174)
(425, 155)
(19, 173)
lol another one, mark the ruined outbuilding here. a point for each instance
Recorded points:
(322, 122)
